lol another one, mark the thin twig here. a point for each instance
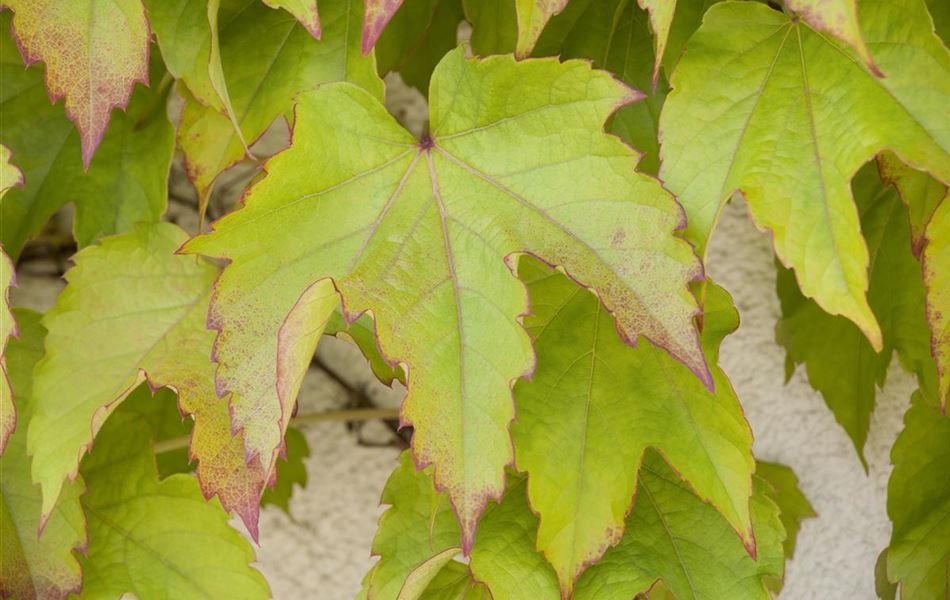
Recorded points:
(366, 414)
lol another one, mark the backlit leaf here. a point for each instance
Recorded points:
(918, 503)
(421, 232)
(840, 363)
(767, 106)
(594, 405)
(126, 182)
(95, 52)
(34, 566)
(156, 539)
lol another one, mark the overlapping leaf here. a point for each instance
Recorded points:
(794, 507)
(838, 18)
(8, 328)
(420, 233)
(34, 566)
(154, 538)
(918, 191)
(420, 33)
(918, 503)
(267, 59)
(936, 268)
(126, 182)
(532, 16)
(291, 471)
(133, 311)
(671, 535)
(377, 15)
(840, 363)
(305, 11)
(594, 405)
(95, 52)
(765, 105)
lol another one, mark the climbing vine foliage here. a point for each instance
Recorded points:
(531, 263)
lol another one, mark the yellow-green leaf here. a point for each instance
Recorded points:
(767, 106)
(420, 234)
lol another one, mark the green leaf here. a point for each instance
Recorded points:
(918, 503)
(419, 233)
(126, 182)
(107, 336)
(8, 328)
(594, 405)
(936, 257)
(34, 565)
(504, 556)
(794, 507)
(532, 16)
(616, 37)
(418, 526)
(764, 105)
(10, 174)
(305, 11)
(267, 59)
(156, 539)
(454, 582)
(840, 363)
(661, 20)
(420, 34)
(838, 18)
(95, 51)
(291, 471)
(362, 333)
(494, 28)
(675, 537)
(920, 192)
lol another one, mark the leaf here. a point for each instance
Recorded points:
(918, 503)
(532, 16)
(616, 37)
(454, 582)
(936, 257)
(594, 405)
(305, 11)
(793, 120)
(794, 507)
(504, 556)
(33, 565)
(840, 363)
(8, 328)
(156, 539)
(377, 16)
(95, 51)
(126, 182)
(494, 26)
(292, 471)
(418, 526)
(838, 18)
(419, 233)
(10, 175)
(918, 191)
(107, 336)
(661, 20)
(675, 537)
(420, 34)
(267, 59)
(362, 333)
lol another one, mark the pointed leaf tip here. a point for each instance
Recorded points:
(377, 16)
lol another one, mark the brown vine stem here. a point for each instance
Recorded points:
(352, 415)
